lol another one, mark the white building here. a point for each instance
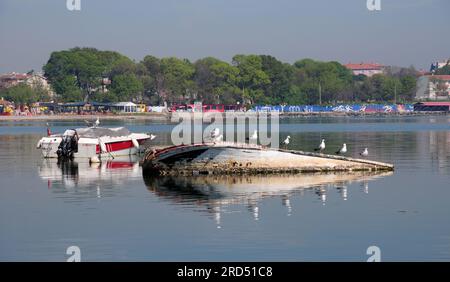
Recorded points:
(34, 80)
(433, 87)
(126, 107)
(38, 80)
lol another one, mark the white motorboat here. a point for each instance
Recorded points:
(93, 142)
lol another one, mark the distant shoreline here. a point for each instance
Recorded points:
(359, 114)
(149, 116)
(167, 116)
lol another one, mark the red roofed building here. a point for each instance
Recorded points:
(32, 79)
(442, 77)
(12, 79)
(365, 69)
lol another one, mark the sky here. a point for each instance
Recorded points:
(402, 33)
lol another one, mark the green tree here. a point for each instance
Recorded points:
(20, 94)
(325, 81)
(154, 83)
(78, 74)
(87, 66)
(295, 96)
(252, 78)
(177, 83)
(122, 65)
(126, 87)
(390, 88)
(408, 88)
(42, 94)
(445, 70)
(280, 88)
(215, 80)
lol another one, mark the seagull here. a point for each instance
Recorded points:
(215, 133)
(219, 138)
(364, 153)
(254, 135)
(286, 141)
(321, 146)
(342, 150)
(152, 136)
(92, 124)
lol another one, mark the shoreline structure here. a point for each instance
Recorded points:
(167, 116)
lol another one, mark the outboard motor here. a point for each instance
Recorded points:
(68, 145)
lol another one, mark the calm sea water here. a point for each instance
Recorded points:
(111, 212)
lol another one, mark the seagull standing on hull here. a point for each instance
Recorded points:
(321, 146)
(364, 153)
(219, 138)
(286, 141)
(92, 124)
(215, 133)
(254, 136)
(342, 150)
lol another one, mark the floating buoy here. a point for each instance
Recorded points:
(135, 143)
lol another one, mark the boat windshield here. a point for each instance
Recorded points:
(95, 132)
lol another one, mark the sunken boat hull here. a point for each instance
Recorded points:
(235, 158)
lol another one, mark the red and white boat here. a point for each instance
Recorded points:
(93, 142)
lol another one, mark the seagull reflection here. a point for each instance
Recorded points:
(323, 197)
(214, 193)
(252, 206)
(216, 212)
(287, 203)
(322, 193)
(365, 185)
(342, 189)
(255, 213)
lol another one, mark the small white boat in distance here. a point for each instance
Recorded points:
(93, 142)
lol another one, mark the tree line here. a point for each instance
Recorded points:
(25, 94)
(106, 76)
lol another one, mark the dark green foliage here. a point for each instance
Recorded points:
(77, 74)
(22, 94)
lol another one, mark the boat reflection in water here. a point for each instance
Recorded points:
(216, 193)
(66, 176)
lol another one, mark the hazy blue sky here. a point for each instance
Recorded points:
(404, 32)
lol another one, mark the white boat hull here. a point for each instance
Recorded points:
(101, 147)
(234, 158)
